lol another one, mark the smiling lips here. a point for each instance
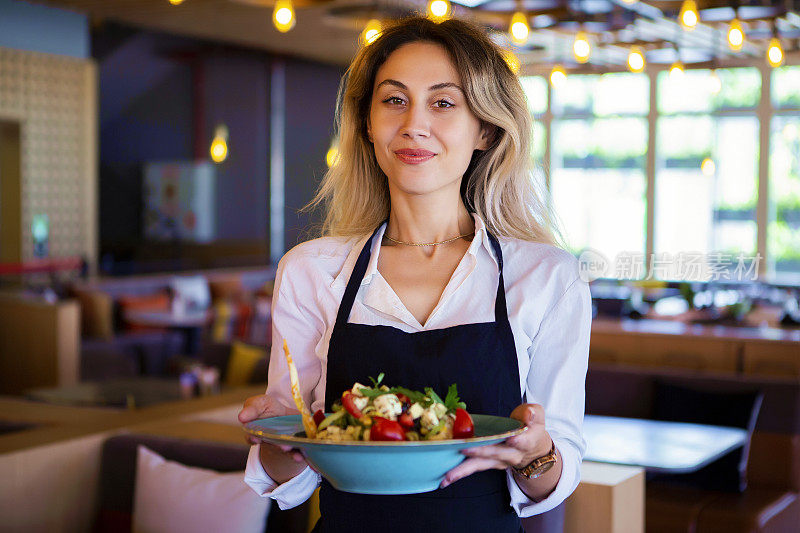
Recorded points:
(414, 156)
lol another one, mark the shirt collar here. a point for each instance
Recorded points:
(481, 239)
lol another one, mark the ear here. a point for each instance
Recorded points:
(488, 132)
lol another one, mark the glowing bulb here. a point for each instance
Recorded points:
(371, 32)
(630, 2)
(283, 16)
(688, 14)
(636, 60)
(332, 155)
(512, 60)
(715, 84)
(176, 2)
(735, 35)
(219, 146)
(438, 10)
(558, 76)
(519, 28)
(775, 52)
(581, 47)
(707, 167)
(676, 69)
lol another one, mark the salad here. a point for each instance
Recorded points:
(382, 413)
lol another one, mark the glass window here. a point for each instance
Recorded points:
(706, 188)
(703, 91)
(535, 88)
(783, 231)
(786, 87)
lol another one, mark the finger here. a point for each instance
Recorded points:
(253, 408)
(529, 414)
(506, 454)
(470, 466)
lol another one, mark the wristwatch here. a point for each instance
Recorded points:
(539, 465)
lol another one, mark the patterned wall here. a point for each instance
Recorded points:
(54, 98)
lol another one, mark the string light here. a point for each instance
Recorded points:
(512, 60)
(775, 52)
(707, 167)
(688, 15)
(581, 48)
(331, 155)
(676, 69)
(176, 2)
(438, 10)
(558, 76)
(636, 60)
(735, 35)
(283, 16)
(371, 32)
(219, 146)
(519, 28)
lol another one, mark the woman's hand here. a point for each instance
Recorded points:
(281, 463)
(518, 451)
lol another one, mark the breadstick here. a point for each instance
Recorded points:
(308, 420)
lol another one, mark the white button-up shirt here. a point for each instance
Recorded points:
(549, 309)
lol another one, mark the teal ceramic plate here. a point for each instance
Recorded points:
(383, 467)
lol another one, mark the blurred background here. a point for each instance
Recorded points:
(155, 154)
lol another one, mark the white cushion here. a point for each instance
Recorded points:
(172, 497)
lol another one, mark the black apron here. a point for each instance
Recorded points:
(480, 358)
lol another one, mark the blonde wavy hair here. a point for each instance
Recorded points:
(498, 185)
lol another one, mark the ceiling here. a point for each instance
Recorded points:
(327, 30)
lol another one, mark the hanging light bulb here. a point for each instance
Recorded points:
(630, 2)
(715, 83)
(512, 60)
(558, 76)
(581, 47)
(438, 10)
(636, 60)
(519, 28)
(219, 146)
(371, 32)
(735, 35)
(176, 2)
(775, 52)
(707, 167)
(676, 69)
(283, 16)
(688, 15)
(331, 155)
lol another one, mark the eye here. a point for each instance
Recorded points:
(444, 104)
(393, 100)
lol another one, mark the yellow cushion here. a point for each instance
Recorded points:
(241, 363)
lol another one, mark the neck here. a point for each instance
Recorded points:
(423, 220)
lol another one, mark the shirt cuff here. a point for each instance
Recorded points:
(288, 494)
(570, 477)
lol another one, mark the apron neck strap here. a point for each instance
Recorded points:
(360, 268)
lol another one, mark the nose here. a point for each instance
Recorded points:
(417, 122)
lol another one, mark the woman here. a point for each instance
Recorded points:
(438, 266)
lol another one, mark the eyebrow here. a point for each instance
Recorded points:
(435, 87)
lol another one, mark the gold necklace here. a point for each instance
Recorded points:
(428, 243)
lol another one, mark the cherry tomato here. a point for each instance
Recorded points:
(319, 416)
(384, 429)
(406, 420)
(350, 405)
(403, 398)
(463, 426)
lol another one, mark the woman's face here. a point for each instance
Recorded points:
(419, 122)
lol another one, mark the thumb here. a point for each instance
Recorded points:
(254, 407)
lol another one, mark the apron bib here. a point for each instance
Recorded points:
(480, 358)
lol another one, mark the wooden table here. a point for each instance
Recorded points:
(657, 446)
